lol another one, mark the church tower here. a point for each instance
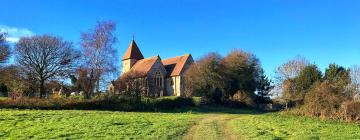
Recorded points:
(131, 56)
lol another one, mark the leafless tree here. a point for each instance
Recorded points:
(291, 68)
(98, 50)
(4, 48)
(355, 77)
(286, 72)
(45, 57)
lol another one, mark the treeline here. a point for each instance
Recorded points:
(300, 87)
(236, 79)
(44, 64)
(333, 94)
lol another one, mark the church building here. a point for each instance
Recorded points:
(166, 74)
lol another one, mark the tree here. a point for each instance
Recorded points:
(284, 75)
(245, 76)
(355, 78)
(296, 88)
(16, 82)
(4, 48)
(291, 69)
(82, 81)
(307, 77)
(243, 72)
(133, 84)
(263, 88)
(99, 53)
(205, 78)
(337, 76)
(45, 57)
(237, 77)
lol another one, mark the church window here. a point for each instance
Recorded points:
(158, 79)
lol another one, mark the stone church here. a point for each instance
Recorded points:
(165, 74)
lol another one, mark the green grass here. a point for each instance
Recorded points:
(3, 98)
(192, 123)
(27, 124)
(279, 126)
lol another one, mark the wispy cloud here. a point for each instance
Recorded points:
(15, 33)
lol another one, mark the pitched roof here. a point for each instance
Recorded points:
(174, 66)
(133, 52)
(143, 66)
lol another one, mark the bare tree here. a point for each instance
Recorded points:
(355, 77)
(99, 53)
(45, 57)
(291, 68)
(284, 75)
(4, 48)
(286, 72)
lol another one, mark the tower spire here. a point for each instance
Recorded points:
(133, 52)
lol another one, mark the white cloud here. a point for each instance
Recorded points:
(14, 33)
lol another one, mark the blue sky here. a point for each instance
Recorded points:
(323, 31)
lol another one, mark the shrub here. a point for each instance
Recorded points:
(244, 98)
(323, 101)
(350, 111)
(116, 103)
(178, 102)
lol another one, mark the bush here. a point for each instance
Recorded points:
(244, 98)
(324, 100)
(350, 111)
(116, 103)
(169, 103)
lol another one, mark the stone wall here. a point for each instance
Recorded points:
(127, 64)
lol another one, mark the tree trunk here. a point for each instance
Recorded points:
(98, 86)
(42, 88)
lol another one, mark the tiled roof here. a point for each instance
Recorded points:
(143, 66)
(133, 52)
(174, 66)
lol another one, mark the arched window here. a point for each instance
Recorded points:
(158, 79)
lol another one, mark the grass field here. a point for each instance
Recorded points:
(204, 123)
(93, 125)
(277, 126)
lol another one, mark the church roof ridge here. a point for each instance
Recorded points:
(186, 55)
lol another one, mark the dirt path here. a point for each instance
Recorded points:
(212, 127)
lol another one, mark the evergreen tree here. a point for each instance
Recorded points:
(337, 76)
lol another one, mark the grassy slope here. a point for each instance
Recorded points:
(93, 124)
(278, 126)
